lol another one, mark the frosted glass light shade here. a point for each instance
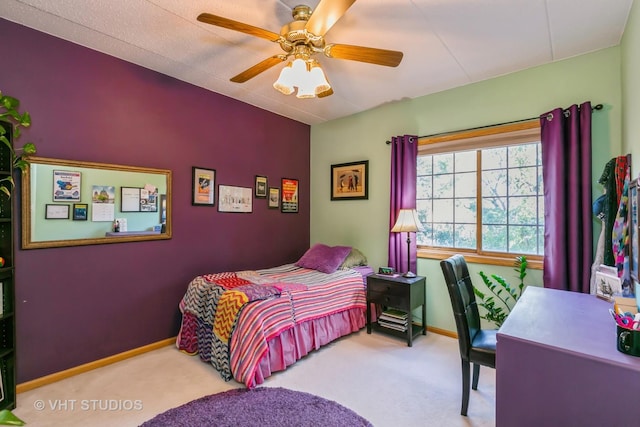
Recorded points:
(319, 80)
(284, 83)
(306, 75)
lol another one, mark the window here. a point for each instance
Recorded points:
(480, 193)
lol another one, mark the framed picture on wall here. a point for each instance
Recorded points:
(289, 202)
(66, 186)
(203, 186)
(234, 199)
(274, 198)
(80, 211)
(261, 187)
(56, 211)
(350, 181)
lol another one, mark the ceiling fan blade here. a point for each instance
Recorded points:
(326, 14)
(219, 21)
(389, 58)
(251, 72)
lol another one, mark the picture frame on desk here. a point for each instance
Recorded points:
(386, 271)
(608, 283)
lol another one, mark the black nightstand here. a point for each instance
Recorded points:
(400, 293)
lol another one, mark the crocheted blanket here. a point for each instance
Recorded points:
(210, 307)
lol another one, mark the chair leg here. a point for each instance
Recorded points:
(476, 375)
(466, 374)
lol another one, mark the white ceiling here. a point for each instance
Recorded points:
(446, 43)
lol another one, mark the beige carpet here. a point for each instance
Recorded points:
(375, 375)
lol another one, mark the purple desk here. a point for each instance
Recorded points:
(557, 364)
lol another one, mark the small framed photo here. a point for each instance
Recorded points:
(274, 198)
(80, 211)
(608, 284)
(203, 187)
(261, 187)
(289, 202)
(350, 181)
(234, 199)
(56, 211)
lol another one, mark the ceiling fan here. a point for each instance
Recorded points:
(302, 39)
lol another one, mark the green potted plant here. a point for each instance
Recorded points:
(498, 306)
(10, 114)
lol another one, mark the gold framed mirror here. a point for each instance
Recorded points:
(73, 203)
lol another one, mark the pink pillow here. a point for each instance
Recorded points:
(323, 258)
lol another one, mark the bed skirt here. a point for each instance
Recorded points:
(295, 343)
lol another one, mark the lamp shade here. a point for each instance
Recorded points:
(407, 221)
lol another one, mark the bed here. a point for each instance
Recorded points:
(249, 324)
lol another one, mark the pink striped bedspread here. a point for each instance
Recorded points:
(305, 295)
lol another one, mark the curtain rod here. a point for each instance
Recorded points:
(595, 107)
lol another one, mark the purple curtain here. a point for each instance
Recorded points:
(404, 154)
(566, 163)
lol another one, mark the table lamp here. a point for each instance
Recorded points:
(407, 221)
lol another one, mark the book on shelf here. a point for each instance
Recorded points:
(395, 317)
(394, 326)
(393, 320)
(393, 313)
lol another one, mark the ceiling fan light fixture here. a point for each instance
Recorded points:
(299, 69)
(306, 91)
(304, 74)
(284, 84)
(316, 75)
(306, 82)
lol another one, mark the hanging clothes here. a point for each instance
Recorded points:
(612, 179)
(620, 238)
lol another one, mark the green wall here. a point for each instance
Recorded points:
(594, 77)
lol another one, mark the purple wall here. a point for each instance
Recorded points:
(75, 305)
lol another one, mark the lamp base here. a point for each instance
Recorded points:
(409, 274)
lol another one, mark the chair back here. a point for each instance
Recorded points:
(463, 301)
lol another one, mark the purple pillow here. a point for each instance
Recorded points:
(323, 258)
